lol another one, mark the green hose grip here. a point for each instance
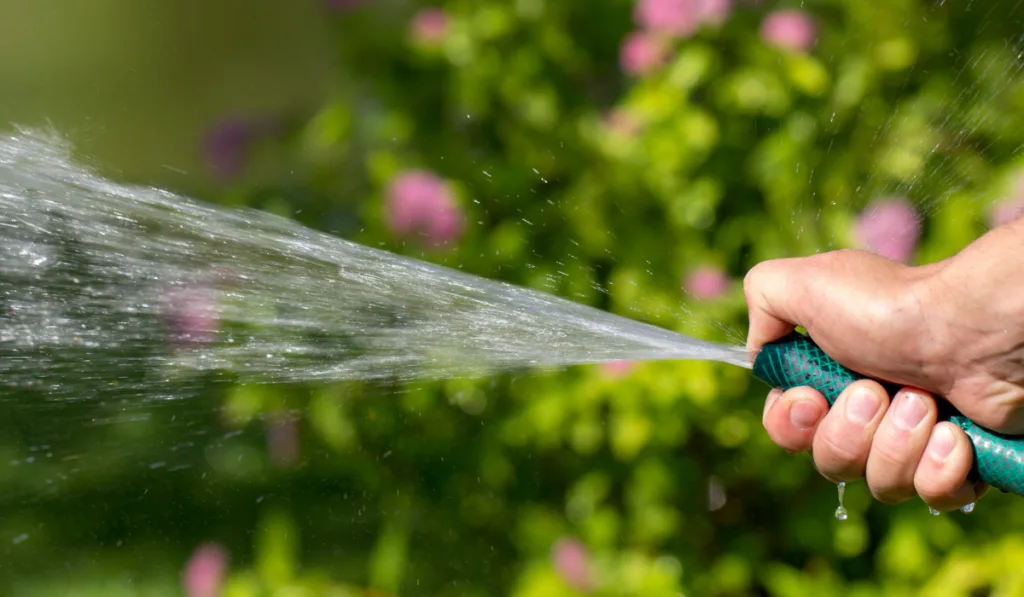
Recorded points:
(796, 361)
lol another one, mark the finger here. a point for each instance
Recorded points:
(771, 314)
(843, 441)
(792, 418)
(941, 476)
(898, 445)
(769, 401)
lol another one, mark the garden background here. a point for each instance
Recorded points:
(635, 155)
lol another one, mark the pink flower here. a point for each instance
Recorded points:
(1010, 208)
(889, 227)
(191, 314)
(228, 142)
(429, 26)
(419, 202)
(676, 18)
(570, 560)
(617, 368)
(641, 53)
(283, 440)
(620, 122)
(789, 29)
(713, 12)
(1006, 211)
(707, 283)
(204, 571)
(226, 146)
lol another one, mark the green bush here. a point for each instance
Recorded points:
(647, 194)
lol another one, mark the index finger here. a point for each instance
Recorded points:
(768, 287)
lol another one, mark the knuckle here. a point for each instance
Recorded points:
(894, 446)
(784, 437)
(764, 273)
(891, 495)
(888, 478)
(889, 460)
(932, 493)
(936, 485)
(848, 253)
(831, 259)
(753, 277)
(838, 457)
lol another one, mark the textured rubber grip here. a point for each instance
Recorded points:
(796, 361)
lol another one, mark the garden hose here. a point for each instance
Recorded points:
(796, 361)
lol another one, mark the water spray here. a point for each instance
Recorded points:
(103, 284)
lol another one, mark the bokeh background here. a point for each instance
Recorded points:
(656, 149)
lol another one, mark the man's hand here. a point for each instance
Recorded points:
(954, 329)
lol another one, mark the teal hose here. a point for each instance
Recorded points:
(796, 361)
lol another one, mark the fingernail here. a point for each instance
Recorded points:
(910, 411)
(941, 443)
(862, 406)
(804, 415)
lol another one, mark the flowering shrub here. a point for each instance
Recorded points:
(790, 29)
(418, 203)
(890, 228)
(205, 572)
(638, 156)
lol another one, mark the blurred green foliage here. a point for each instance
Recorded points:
(582, 180)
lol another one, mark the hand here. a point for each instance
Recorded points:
(952, 329)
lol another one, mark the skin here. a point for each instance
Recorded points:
(952, 329)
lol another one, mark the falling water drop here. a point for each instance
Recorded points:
(968, 508)
(841, 513)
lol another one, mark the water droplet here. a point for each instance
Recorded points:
(841, 513)
(967, 509)
(933, 511)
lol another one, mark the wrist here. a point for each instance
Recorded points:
(931, 307)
